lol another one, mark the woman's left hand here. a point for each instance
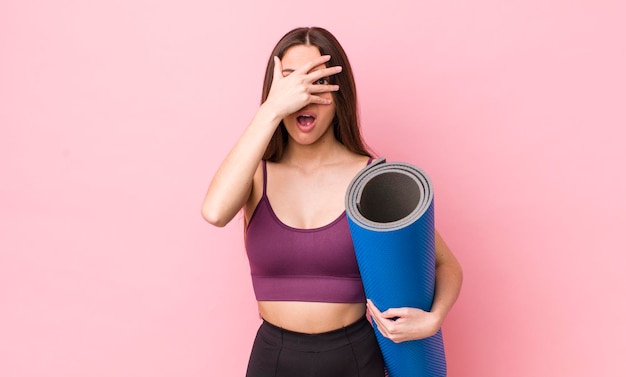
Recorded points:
(402, 324)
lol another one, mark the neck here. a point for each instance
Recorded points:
(325, 151)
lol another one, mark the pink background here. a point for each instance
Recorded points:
(115, 114)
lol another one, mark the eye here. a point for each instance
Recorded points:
(322, 81)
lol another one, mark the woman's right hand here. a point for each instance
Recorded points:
(290, 93)
(233, 183)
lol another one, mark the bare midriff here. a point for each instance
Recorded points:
(310, 317)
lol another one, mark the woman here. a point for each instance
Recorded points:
(289, 171)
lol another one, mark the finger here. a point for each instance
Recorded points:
(324, 72)
(372, 307)
(320, 100)
(306, 68)
(378, 321)
(316, 89)
(375, 311)
(394, 313)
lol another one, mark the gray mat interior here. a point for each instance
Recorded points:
(389, 197)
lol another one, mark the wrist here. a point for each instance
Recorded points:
(437, 319)
(270, 113)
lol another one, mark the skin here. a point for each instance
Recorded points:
(306, 190)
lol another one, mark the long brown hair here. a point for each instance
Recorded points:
(345, 124)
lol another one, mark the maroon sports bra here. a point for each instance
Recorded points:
(291, 264)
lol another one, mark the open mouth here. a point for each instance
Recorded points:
(305, 120)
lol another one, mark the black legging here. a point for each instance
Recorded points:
(351, 351)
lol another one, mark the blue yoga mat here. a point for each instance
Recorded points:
(390, 210)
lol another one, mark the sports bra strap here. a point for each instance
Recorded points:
(264, 178)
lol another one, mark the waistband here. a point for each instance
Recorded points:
(325, 341)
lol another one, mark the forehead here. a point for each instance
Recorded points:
(297, 56)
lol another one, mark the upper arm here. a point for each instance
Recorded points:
(226, 196)
(256, 192)
(443, 254)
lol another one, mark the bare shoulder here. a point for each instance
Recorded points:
(356, 163)
(345, 169)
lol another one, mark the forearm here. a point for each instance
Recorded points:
(231, 185)
(448, 281)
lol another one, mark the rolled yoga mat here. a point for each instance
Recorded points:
(391, 218)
